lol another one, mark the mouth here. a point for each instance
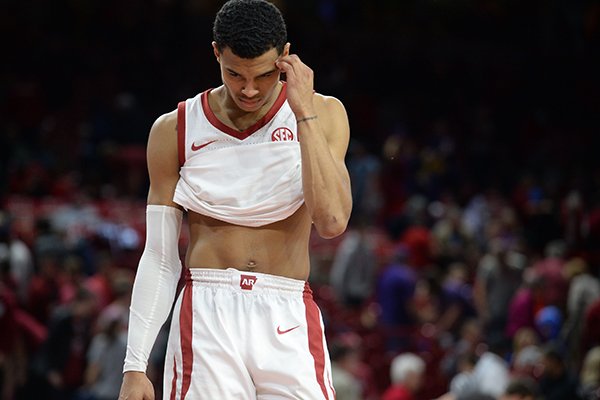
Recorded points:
(249, 102)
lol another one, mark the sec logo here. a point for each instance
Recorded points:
(282, 134)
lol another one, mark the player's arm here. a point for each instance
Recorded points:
(160, 266)
(326, 183)
(323, 132)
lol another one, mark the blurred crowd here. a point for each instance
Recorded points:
(471, 266)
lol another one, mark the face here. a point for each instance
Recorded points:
(250, 83)
(414, 381)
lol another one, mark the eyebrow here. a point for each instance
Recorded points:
(263, 74)
(269, 72)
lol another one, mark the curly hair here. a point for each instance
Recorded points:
(249, 28)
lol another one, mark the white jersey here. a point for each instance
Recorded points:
(251, 177)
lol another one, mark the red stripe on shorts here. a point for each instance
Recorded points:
(315, 338)
(185, 326)
(174, 381)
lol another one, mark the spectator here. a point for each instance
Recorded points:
(18, 257)
(589, 382)
(525, 304)
(417, 237)
(457, 297)
(119, 307)
(57, 370)
(47, 239)
(556, 383)
(12, 355)
(584, 289)
(107, 350)
(475, 396)
(395, 289)
(526, 354)
(591, 326)
(364, 171)
(467, 396)
(354, 265)
(550, 269)
(469, 346)
(407, 373)
(101, 282)
(448, 235)
(344, 356)
(44, 289)
(497, 280)
(465, 366)
(427, 302)
(520, 390)
(490, 376)
(524, 338)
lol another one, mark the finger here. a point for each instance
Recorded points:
(293, 61)
(291, 58)
(287, 62)
(285, 68)
(283, 65)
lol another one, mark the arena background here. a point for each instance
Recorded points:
(475, 132)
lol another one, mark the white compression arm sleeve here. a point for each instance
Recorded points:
(155, 284)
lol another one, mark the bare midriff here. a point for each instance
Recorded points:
(280, 248)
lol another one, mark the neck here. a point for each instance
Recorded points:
(225, 107)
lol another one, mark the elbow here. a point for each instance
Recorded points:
(332, 227)
(331, 222)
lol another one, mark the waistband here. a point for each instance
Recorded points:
(244, 280)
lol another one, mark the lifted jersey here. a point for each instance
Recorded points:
(251, 177)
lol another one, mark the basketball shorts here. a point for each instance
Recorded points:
(239, 335)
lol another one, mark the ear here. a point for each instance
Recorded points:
(286, 50)
(216, 52)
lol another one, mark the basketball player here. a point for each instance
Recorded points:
(255, 163)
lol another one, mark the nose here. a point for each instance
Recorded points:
(249, 90)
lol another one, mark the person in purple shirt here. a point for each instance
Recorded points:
(395, 289)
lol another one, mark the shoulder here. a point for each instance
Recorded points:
(164, 124)
(163, 134)
(329, 104)
(162, 141)
(163, 159)
(333, 118)
(330, 109)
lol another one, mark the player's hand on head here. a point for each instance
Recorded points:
(300, 84)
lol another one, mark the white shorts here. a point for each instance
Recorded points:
(239, 335)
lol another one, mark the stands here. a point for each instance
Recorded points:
(474, 138)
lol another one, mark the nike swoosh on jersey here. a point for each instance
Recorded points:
(280, 332)
(196, 148)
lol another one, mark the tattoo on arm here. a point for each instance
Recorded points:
(307, 119)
